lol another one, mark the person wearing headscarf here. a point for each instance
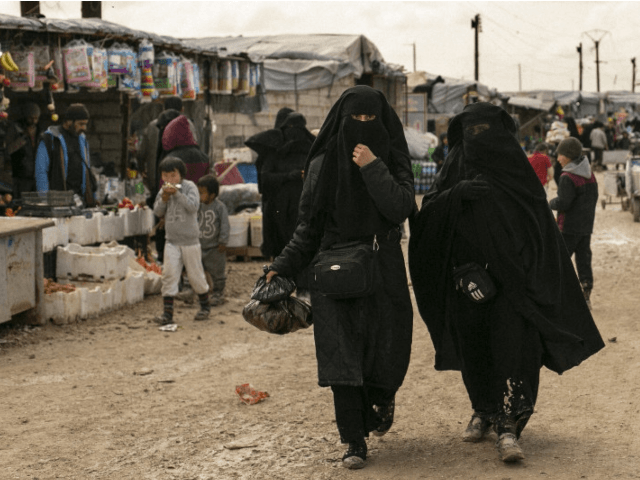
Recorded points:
(21, 141)
(358, 186)
(488, 208)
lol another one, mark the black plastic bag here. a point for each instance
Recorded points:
(284, 316)
(277, 289)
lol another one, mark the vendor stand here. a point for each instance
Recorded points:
(21, 265)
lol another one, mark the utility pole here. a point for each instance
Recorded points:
(633, 75)
(597, 44)
(579, 49)
(519, 78)
(414, 57)
(477, 25)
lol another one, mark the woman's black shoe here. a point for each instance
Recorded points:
(385, 416)
(356, 455)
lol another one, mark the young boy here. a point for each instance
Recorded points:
(178, 201)
(213, 220)
(576, 205)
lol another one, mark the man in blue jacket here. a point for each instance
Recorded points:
(62, 159)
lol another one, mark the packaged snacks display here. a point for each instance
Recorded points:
(164, 74)
(25, 78)
(118, 59)
(198, 75)
(58, 68)
(253, 80)
(225, 78)
(98, 60)
(76, 62)
(243, 78)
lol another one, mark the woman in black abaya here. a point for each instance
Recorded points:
(358, 184)
(488, 208)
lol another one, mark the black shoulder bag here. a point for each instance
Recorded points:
(348, 270)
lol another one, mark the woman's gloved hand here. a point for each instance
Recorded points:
(473, 189)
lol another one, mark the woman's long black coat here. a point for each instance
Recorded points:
(364, 341)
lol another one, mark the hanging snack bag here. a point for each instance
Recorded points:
(235, 75)
(146, 71)
(164, 75)
(58, 69)
(225, 79)
(41, 58)
(76, 62)
(187, 80)
(197, 77)
(25, 77)
(98, 60)
(213, 76)
(243, 78)
(117, 59)
(129, 81)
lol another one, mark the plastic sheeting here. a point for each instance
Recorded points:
(303, 61)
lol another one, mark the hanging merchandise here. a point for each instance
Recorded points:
(58, 70)
(253, 80)
(164, 75)
(76, 62)
(213, 76)
(187, 80)
(243, 78)
(24, 77)
(129, 81)
(146, 71)
(41, 59)
(225, 78)
(235, 75)
(117, 59)
(198, 76)
(98, 59)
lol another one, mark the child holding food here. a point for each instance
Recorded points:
(178, 201)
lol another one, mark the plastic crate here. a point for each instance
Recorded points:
(51, 198)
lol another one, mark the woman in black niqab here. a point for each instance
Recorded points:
(358, 184)
(487, 207)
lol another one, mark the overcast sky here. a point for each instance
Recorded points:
(527, 44)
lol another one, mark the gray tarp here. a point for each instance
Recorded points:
(303, 61)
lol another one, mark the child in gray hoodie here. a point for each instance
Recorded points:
(576, 205)
(178, 201)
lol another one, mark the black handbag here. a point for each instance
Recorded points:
(475, 282)
(347, 270)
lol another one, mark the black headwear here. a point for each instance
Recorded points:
(340, 189)
(516, 233)
(76, 111)
(281, 116)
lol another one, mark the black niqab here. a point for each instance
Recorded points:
(341, 190)
(515, 233)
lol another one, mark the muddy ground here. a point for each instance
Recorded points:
(115, 398)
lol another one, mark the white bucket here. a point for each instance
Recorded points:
(238, 231)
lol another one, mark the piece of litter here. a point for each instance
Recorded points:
(250, 395)
(144, 371)
(242, 443)
(613, 339)
(172, 327)
(166, 381)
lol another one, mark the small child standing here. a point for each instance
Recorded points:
(178, 201)
(542, 164)
(576, 205)
(213, 220)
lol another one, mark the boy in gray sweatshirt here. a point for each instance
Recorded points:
(213, 219)
(178, 201)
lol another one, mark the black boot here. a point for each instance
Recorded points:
(356, 455)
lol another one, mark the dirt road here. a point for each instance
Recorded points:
(114, 398)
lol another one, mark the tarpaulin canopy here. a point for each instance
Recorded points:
(92, 26)
(303, 61)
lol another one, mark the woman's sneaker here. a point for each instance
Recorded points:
(476, 429)
(355, 456)
(508, 448)
(385, 415)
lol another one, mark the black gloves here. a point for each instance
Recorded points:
(473, 189)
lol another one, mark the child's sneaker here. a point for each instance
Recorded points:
(164, 319)
(203, 314)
